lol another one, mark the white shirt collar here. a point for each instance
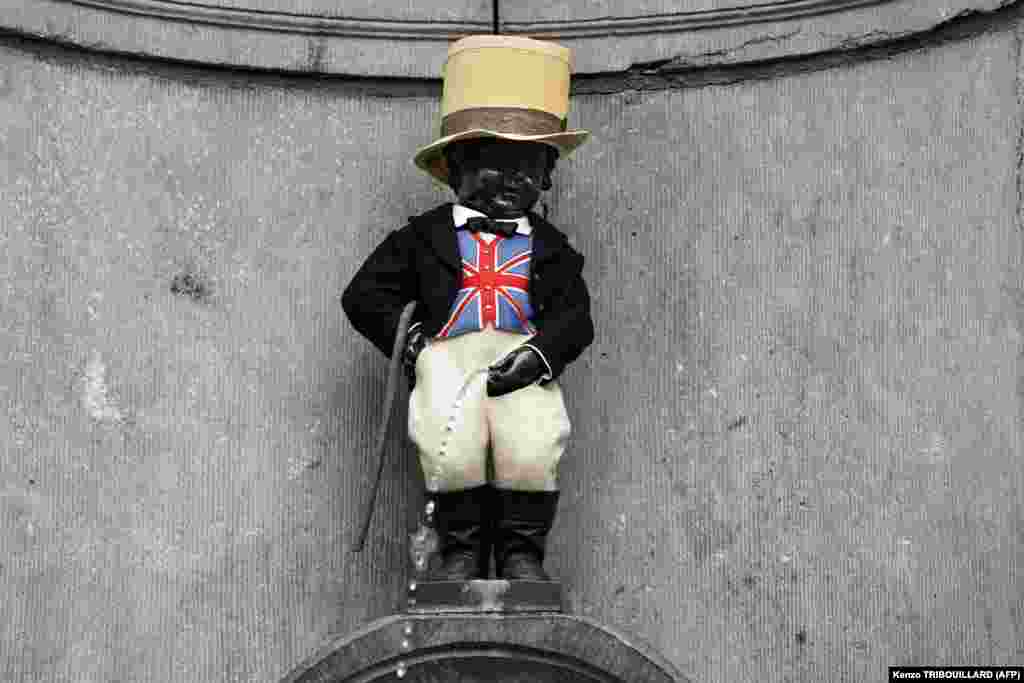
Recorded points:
(461, 213)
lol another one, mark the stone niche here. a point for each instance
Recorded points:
(405, 39)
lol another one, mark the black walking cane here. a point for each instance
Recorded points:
(394, 369)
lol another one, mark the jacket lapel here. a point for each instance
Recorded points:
(438, 228)
(547, 240)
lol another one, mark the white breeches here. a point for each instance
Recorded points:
(526, 431)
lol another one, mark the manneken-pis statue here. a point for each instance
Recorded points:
(502, 308)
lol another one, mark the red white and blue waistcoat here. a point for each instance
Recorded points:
(495, 285)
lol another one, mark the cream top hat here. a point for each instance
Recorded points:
(506, 87)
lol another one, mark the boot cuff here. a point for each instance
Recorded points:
(464, 505)
(527, 506)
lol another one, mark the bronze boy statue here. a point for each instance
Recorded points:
(502, 308)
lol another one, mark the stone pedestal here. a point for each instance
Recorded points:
(439, 597)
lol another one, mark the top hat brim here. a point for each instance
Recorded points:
(431, 158)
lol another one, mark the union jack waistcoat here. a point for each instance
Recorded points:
(495, 286)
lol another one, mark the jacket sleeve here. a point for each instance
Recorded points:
(386, 281)
(567, 328)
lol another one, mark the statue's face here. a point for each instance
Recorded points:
(500, 178)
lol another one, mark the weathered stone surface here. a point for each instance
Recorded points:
(686, 34)
(360, 38)
(797, 438)
(409, 39)
(393, 10)
(550, 648)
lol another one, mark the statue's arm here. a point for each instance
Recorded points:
(566, 328)
(386, 281)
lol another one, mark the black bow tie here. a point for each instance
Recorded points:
(485, 224)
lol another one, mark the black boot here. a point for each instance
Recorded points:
(464, 547)
(521, 525)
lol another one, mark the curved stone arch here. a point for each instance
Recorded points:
(686, 34)
(359, 37)
(317, 37)
(547, 648)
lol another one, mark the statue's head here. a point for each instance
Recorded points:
(500, 178)
(504, 109)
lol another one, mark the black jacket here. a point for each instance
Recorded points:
(421, 262)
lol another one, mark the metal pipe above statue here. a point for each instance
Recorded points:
(502, 309)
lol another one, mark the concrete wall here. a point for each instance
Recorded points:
(797, 436)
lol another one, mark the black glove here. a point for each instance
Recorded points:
(520, 368)
(414, 343)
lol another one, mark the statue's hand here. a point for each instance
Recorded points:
(413, 346)
(520, 368)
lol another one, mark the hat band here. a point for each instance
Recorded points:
(503, 120)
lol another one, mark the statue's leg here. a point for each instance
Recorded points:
(529, 431)
(453, 455)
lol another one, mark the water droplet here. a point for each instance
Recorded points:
(412, 586)
(430, 507)
(400, 670)
(406, 644)
(408, 629)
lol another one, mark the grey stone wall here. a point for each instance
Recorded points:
(406, 39)
(797, 436)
